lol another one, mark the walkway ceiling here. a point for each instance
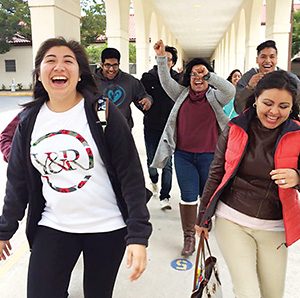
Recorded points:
(198, 25)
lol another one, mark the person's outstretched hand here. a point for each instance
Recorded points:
(5, 248)
(159, 48)
(136, 255)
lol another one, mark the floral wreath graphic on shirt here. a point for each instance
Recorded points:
(64, 164)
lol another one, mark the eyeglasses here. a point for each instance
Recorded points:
(169, 59)
(193, 75)
(114, 66)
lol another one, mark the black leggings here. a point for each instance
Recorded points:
(55, 253)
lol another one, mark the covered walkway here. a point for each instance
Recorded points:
(227, 32)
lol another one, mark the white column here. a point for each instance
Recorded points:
(142, 58)
(142, 11)
(117, 26)
(250, 53)
(232, 48)
(241, 41)
(278, 16)
(53, 18)
(226, 56)
(154, 38)
(253, 12)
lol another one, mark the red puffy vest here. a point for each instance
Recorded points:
(286, 156)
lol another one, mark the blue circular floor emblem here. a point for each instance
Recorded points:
(181, 264)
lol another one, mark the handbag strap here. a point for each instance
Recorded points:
(208, 248)
(200, 256)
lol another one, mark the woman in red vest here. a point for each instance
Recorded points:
(252, 189)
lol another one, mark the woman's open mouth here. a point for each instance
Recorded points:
(59, 80)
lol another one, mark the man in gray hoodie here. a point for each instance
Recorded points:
(267, 62)
(120, 87)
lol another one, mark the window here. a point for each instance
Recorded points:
(10, 65)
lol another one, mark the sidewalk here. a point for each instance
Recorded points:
(16, 93)
(159, 280)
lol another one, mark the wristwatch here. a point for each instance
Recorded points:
(206, 77)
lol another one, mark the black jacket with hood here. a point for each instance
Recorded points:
(156, 117)
(118, 152)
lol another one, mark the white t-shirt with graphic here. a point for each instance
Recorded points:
(78, 193)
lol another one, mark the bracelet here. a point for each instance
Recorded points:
(206, 77)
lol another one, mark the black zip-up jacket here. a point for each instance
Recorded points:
(118, 152)
(156, 117)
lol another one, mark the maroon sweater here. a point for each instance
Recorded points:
(197, 128)
(6, 137)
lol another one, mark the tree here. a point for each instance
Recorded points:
(93, 23)
(94, 53)
(296, 33)
(132, 53)
(14, 18)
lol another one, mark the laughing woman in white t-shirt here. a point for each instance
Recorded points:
(83, 183)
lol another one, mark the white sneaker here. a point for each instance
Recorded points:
(165, 204)
(154, 189)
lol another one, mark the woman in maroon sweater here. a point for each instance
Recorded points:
(191, 132)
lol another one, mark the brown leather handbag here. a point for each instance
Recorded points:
(207, 282)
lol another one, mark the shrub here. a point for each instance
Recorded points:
(20, 86)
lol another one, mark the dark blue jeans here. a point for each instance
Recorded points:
(152, 138)
(192, 172)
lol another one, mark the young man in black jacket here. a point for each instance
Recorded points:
(154, 123)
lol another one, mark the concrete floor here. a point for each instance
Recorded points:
(159, 280)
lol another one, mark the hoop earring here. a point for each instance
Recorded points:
(254, 105)
(291, 111)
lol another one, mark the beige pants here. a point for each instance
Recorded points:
(256, 266)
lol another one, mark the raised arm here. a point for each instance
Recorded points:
(172, 88)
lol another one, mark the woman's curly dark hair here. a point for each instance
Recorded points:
(188, 69)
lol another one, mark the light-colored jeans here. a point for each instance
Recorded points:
(256, 266)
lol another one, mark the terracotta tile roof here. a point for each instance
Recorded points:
(18, 39)
(131, 28)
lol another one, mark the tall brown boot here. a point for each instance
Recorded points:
(188, 215)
